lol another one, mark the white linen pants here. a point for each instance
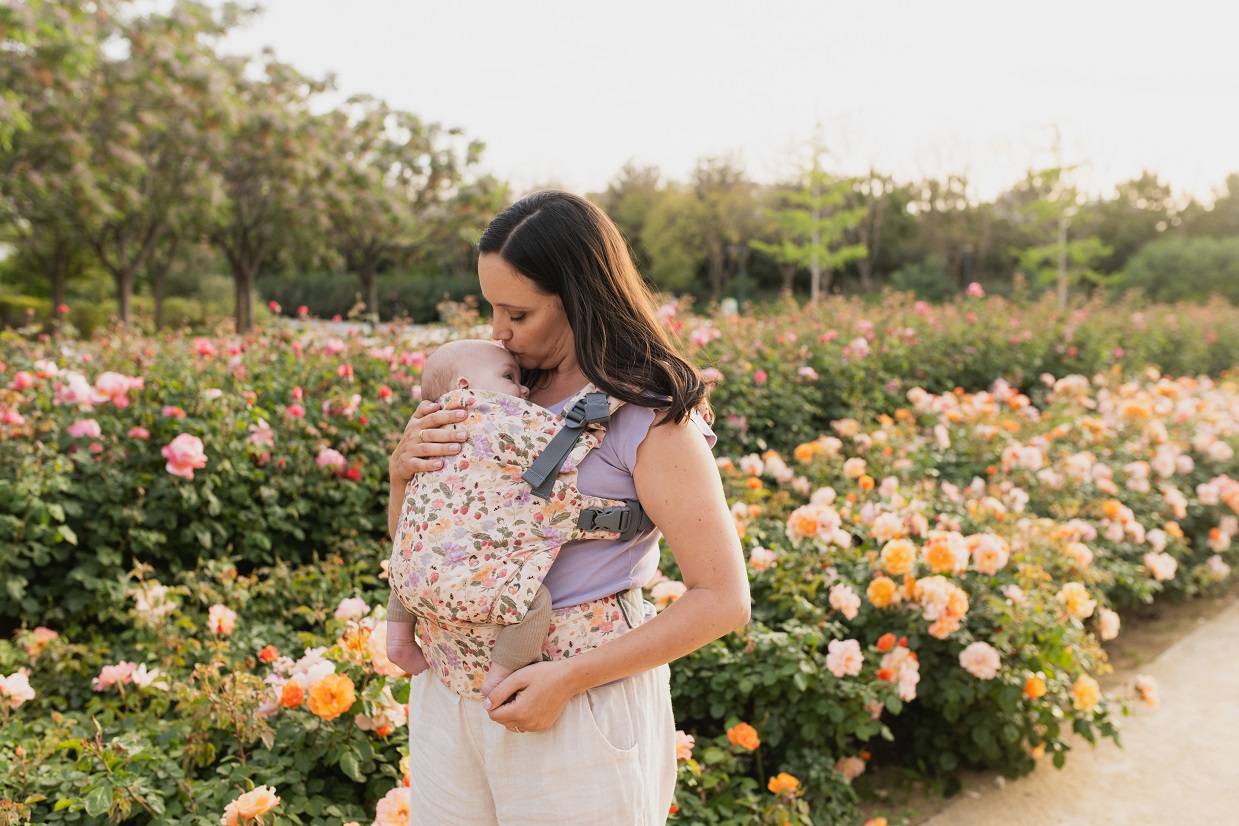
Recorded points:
(608, 760)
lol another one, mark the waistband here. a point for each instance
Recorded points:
(460, 654)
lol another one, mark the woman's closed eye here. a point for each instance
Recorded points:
(516, 317)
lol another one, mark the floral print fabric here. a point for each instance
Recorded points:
(473, 544)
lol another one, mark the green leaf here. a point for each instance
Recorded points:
(66, 534)
(98, 800)
(351, 766)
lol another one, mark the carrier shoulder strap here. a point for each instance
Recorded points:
(592, 408)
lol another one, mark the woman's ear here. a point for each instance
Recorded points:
(462, 383)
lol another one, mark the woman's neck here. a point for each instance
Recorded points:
(558, 387)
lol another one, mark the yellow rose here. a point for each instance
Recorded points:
(1086, 693)
(882, 592)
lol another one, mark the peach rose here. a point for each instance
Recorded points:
(684, 745)
(221, 619)
(256, 803)
(981, 660)
(845, 658)
(1086, 693)
(1074, 597)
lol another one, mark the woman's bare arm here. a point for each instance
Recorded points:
(678, 484)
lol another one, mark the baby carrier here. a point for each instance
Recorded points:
(476, 539)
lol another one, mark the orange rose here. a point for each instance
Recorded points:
(754, 483)
(882, 592)
(332, 696)
(898, 557)
(1174, 530)
(941, 554)
(886, 642)
(292, 695)
(783, 783)
(876, 821)
(865, 482)
(268, 654)
(805, 452)
(1034, 688)
(744, 736)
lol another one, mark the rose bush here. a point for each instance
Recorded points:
(946, 512)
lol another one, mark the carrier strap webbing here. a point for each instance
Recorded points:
(592, 408)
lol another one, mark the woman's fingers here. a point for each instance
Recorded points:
(429, 436)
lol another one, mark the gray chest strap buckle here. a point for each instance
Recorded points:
(627, 520)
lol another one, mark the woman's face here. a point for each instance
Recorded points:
(530, 324)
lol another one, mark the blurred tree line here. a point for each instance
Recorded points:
(143, 170)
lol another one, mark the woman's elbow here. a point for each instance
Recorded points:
(741, 609)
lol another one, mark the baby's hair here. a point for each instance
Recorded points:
(446, 364)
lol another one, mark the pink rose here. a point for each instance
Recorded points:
(845, 658)
(351, 608)
(22, 380)
(184, 455)
(139, 432)
(84, 429)
(330, 458)
(112, 387)
(980, 660)
(975, 290)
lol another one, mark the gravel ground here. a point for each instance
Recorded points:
(1179, 763)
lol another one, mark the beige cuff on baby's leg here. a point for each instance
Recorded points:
(520, 644)
(396, 612)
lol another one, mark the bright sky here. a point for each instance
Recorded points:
(565, 92)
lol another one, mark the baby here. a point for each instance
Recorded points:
(481, 366)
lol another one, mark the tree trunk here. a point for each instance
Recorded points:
(717, 273)
(865, 266)
(244, 303)
(124, 294)
(788, 272)
(370, 287)
(159, 272)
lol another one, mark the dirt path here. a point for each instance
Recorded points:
(1179, 763)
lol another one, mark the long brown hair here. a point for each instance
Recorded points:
(568, 247)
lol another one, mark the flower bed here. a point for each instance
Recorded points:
(192, 537)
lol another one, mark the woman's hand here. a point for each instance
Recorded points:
(531, 698)
(428, 436)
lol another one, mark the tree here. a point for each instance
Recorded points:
(156, 110)
(1221, 220)
(811, 230)
(266, 162)
(1053, 256)
(387, 179)
(629, 199)
(49, 69)
(1140, 211)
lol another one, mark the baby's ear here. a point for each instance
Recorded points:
(462, 383)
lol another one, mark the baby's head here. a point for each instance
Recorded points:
(471, 364)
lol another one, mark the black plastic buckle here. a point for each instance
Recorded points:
(617, 520)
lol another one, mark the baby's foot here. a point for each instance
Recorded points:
(494, 677)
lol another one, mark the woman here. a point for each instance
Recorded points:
(589, 738)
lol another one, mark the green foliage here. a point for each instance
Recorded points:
(860, 421)
(1186, 269)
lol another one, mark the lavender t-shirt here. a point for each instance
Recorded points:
(589, 569)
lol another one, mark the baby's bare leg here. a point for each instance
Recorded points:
(520, 644)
